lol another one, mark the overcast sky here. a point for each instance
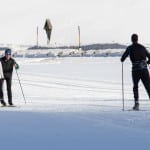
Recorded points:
(100, 20)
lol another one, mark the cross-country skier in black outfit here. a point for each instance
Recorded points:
(138, 56)
(7, 66)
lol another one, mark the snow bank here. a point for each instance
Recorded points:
(37, 53)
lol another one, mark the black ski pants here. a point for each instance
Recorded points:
(9, 92)
(142, 75)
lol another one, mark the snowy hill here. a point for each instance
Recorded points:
(40, 53)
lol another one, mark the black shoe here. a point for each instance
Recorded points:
(11, 104)
(3, 103)
(136, 106)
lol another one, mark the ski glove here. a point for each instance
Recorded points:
(148, 62)
(16, 66)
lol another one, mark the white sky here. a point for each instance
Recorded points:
(100, 20)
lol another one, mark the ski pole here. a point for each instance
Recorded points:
(20, 86)
(122, 88)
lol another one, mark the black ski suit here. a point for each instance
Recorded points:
(138, 56)
(7, 66)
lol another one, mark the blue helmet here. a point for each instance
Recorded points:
(8, 52)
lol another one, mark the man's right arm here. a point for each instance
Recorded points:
(125, 55)
(16, 65)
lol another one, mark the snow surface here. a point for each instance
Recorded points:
(74, 103)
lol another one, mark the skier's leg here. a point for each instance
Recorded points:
(1, 92)
(136, 79)
(9, 92)
(146, 81)
(1, 89)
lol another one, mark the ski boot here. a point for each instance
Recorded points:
(3, 103)
(136, 106)
(11, 104)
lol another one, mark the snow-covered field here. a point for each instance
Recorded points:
(74, 104)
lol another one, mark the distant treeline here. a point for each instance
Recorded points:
(3, 48)
(85, 47)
